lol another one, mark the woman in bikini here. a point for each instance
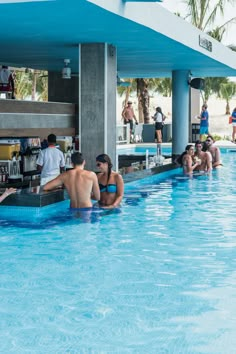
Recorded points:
(110, 183)
(186, 160)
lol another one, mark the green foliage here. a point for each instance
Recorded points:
(227, 90)
(164, 86)
(31, 84)
(202, 13)
(142, 87)
(212, 86)
(22, 84)
(216, 137)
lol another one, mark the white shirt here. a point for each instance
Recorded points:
(51, 159)
(4, 76)
(158, 117)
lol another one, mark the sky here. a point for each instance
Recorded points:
(229, 12)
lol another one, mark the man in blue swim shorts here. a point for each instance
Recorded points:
(204, 123)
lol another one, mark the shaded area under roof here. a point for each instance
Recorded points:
(150, 41)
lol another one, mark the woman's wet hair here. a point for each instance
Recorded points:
(179, 160)
(188, 147)
(104, 158)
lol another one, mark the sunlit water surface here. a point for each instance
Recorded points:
(157, 276)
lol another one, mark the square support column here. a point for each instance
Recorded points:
(180, 111)
(97, 101)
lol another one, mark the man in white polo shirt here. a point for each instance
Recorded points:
(51, 161)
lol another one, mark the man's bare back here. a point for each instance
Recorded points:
(80, 184)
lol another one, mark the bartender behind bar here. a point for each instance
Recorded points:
(50, 161)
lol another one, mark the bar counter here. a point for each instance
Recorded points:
(34, 197)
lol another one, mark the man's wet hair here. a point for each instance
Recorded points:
(211, 137)
(198, 142)
(52, 138)
(77, 158)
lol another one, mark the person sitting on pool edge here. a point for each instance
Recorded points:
(213, 150)
(111, 183)
(186, 160)
(79, 183)
(6, 193)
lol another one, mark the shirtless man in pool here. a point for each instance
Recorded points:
(214, 151)
(205, 158)
(79, 183)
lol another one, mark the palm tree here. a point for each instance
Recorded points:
(23, 85)
(203, 15)
(212, 85)
(127, 90)
(163, 86)
(227, 91)
(42, 86)
(142, 87)
(143, 98)
(32, 83)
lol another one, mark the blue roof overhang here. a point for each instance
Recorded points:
(150, 41)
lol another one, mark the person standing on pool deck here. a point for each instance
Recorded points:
(233, 115)
(204, 122)
(79, 183)
(129, 116)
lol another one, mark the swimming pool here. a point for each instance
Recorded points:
(141, 149)
(157, 277)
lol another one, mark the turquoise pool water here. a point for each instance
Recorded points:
(141, 150)
(157, 277)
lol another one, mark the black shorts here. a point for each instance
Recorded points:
(158, 126)
(131, 122)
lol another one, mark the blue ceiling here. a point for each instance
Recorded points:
(41, 34)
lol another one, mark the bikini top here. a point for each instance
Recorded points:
(110, 188)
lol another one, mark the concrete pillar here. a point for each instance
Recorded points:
(97, 101)
(194, 109)
(180, 111)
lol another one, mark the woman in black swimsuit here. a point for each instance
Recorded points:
(110, 183)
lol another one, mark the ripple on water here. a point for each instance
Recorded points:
(157, 277)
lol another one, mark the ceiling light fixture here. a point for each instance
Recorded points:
(66, 71)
